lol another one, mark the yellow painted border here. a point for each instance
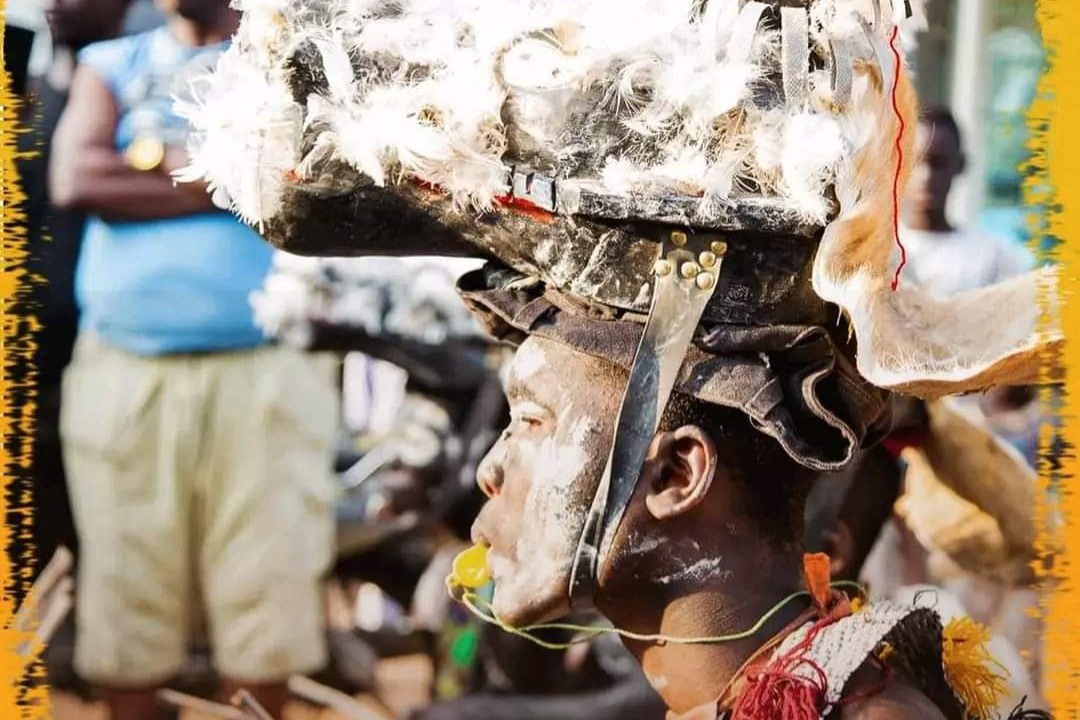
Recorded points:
(17, 700)
(1055, 122)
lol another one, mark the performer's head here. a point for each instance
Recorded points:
(715, 496)
(940, 159)
(77, 23)
(204, 13)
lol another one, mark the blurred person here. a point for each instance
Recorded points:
(942, 258)
(198, 459)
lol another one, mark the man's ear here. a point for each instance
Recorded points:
(680, 471)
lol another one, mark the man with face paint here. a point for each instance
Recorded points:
(690, 205)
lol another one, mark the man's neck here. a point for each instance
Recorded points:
(687, 676)
(211, 32)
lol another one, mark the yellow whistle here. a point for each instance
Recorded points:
(470, 568)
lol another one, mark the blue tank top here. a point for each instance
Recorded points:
(177, 284)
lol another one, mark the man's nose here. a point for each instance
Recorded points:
(489, 475)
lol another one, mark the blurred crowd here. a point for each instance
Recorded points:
(265, 464)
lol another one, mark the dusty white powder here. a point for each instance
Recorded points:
(529, 360)
(702, 569)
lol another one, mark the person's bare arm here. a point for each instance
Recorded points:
(86, 173)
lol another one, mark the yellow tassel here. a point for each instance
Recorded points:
(971, 670)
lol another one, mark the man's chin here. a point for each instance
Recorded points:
(523, 607)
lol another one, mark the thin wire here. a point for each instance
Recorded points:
(484, 611)
(658, 638)
(858, 587)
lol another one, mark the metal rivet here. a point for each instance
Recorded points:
(719, 248)
(707, 260)
(705, 281)
(678, 238)
(662, 267)
(690, 270)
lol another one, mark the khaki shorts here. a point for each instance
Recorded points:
(203, 493)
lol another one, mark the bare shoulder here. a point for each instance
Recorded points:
(899, 700)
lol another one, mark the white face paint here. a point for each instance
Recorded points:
(528, 361)
(549, 464)
(682, 555)
(708, 568)
(552, 520)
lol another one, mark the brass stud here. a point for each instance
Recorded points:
(690, 270)
(707, 260)
(705, 281)
(678, 238)
(719, 248)
(662, 268)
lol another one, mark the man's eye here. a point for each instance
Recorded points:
(528, 416)
(528, 422)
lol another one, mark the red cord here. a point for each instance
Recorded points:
(899, 159)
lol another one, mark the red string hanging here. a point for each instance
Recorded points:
(899, 157)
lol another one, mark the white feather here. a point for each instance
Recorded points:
(812, 150)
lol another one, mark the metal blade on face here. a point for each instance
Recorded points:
(684, 283)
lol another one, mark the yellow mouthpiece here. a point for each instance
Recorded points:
(470, 568)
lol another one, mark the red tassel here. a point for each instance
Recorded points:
(778, 694)
(775, 692)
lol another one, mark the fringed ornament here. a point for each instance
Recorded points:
(776, 693)
(971, 669)
(791, 687)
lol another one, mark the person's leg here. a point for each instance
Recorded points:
(135, 705)
(272, 696)
(124, 427)
(266, 504)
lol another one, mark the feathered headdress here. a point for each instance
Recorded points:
(721, 174)
(774, 117)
